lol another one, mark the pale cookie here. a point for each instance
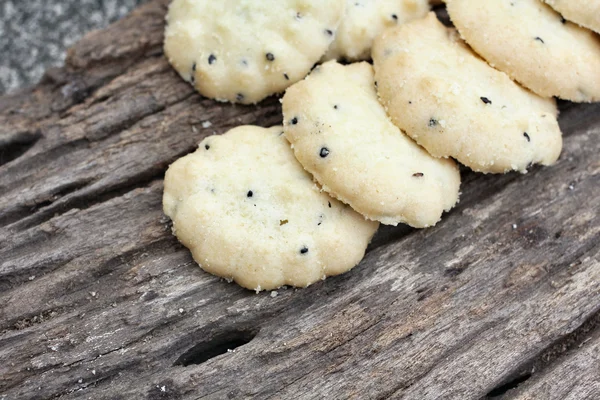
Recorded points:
(365, 19)
(583, 12)
(248, 211)
(455, 105)
(533, 44)
(245, 50)
(341, 134)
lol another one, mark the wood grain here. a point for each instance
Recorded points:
(100, 301)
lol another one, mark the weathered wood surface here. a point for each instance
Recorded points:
(98, 300)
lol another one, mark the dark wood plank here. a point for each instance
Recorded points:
(100, 301)
(577, 377)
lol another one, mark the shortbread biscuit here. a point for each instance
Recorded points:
(365, 19)
(248, 211)
(455, 105)
(533, 44)
(583, 12)
(342, 135)
(244, 50)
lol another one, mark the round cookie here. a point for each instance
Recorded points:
(365, 19)
(248, 211)
(342, 135)
(533, 44)
(244, 50)
(455, 105)
(583, 12)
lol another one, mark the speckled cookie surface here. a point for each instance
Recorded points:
(455, 105)
(365, 19)
(583, 12)
(248, 211)
(533, 44)
(244, 50)
(341, 134)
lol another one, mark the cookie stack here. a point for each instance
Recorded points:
(360, 144)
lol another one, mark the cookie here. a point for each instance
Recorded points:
(533, 44)
(342, 135)
(365, 19)
(583, 12)
(455, 105)
(249, 212)
(242, 50)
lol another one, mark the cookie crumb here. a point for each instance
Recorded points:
(274, 293)
(206, 124)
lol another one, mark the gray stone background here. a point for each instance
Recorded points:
(34, 34)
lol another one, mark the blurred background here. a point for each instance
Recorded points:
(34, 34)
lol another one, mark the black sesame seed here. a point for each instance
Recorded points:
(335, 106)
(527, 136)
(304, 250)
(418, 174)
(239, 97)
(329, 32)
(329, 204)
(375, 83)
(486, 100)
(287, 78)
(270, 56)
(539, 39)
(409, 102)
(563, 20)
(206, 146)
(194, 67)
(212, 59)
(432, 122)
(324, 152)
(249, 194)
(294, 121)
(394, 17)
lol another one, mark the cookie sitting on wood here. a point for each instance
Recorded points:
(248, 212)
(533, 44)
(455, 105)
(342, 135)
(243, 50)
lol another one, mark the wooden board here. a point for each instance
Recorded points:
(98, 300)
